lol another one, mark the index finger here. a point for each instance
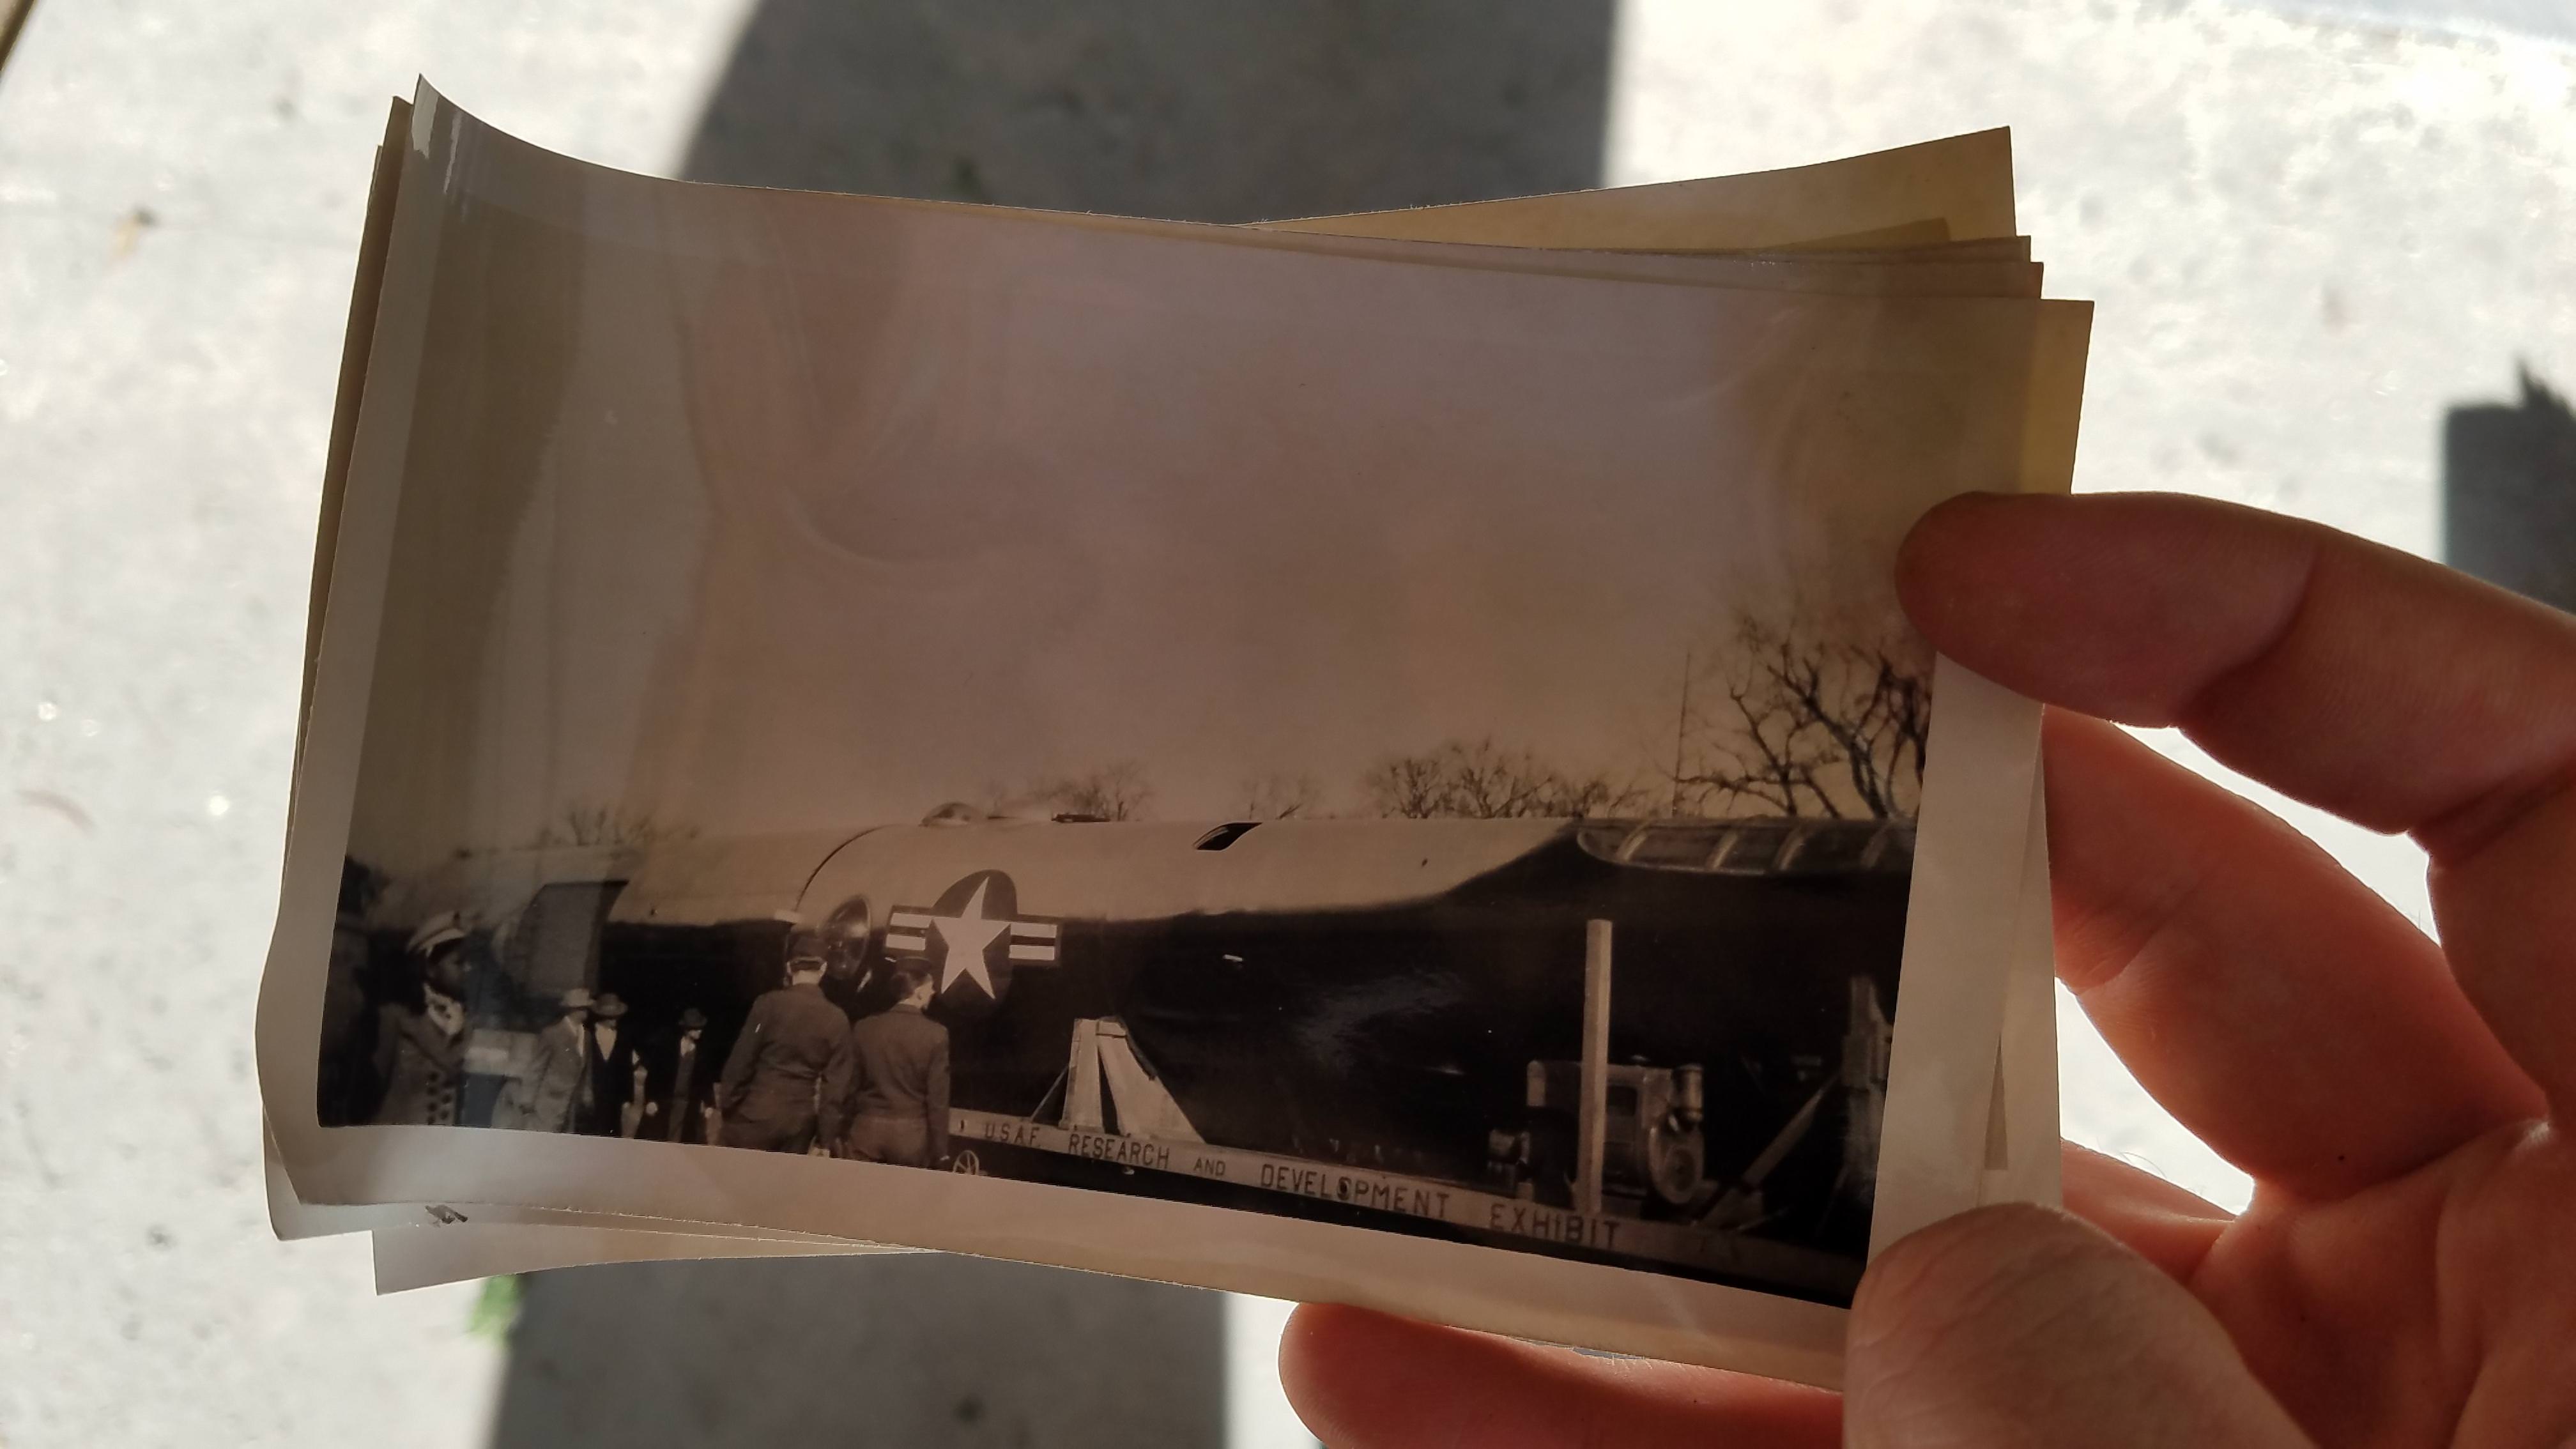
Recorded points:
(2385, 688)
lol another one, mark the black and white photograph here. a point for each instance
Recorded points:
(1425, 751)
(1474, 1010)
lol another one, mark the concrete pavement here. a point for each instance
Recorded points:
(2311, 238)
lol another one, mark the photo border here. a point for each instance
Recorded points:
(1961, 919)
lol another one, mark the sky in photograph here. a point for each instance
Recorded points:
(743, 512)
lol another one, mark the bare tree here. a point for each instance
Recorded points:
(1484, 781)
(1112, 792)
(606, 826)
(1794, 720)
(1279, 797)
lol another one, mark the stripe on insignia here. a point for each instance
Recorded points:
(916, 920)
(906, 941)
(1040, 930)
(1032, 953)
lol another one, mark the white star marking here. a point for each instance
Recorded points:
(968, 933)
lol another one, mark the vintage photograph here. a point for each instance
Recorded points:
(1641, 1018)
(1420, 749)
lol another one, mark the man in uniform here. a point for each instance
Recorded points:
(766, 1098)
(420, 1046)
(889, 1081)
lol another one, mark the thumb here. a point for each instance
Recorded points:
(2018, 1326)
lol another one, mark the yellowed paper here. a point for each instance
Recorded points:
(1963, 183)
(339, 1172)
(2001, 249)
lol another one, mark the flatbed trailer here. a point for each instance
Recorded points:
(1018, 1147)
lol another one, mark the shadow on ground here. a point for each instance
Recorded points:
(1168, 108)
(2509, 493)
(909, 1350)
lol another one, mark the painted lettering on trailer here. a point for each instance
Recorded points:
(1530, 1220)
(1367, 1190)
(1463, 1207)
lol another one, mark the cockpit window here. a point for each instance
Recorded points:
(1684, 844)
(1832, 847)
(1225, 835)
(1753, 847)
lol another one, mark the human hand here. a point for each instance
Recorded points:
(2406, 1273)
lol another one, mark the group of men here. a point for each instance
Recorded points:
(585, 1073)
(802, 1076)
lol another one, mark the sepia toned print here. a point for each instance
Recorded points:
(1414, 750)
(1381, 1022)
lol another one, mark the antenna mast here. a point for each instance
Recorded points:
(1681, 730)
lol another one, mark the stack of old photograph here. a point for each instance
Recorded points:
(1370, 759)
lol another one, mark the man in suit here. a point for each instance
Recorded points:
(608, 1071)
(889, 1081)
(772, 1080)
(682, 1090)
(540, 1098)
